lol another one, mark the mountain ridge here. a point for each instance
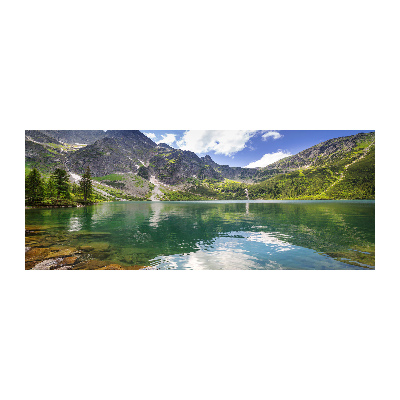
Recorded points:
(132, 156)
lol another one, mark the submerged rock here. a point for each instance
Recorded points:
(30, 264)
(70, 260)
(36, 254)
(101, 255)
(62, 253)
(86, 248)
(48, 264)
(112, 267)
(90, 264)
(100, 246)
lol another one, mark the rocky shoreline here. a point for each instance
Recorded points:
(40, 254)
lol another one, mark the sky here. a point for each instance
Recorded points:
(245, 148)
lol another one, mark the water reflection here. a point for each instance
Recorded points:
(226, 235)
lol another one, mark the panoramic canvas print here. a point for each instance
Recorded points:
(211, 199)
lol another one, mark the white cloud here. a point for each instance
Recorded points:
(168, 138)
(150, 135)
(222, 142)
(268, 158)
(273, 134)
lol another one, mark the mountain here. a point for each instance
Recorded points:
(119, 152)
(330, 151)
(77, 137)
(129, 163)
(127, 151)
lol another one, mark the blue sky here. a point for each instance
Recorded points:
(245, 148)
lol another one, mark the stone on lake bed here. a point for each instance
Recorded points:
(37, 254)
(112, 267)
(31, 239)
(69, 260)
(62, 253)
(91, 264)
(100, 246)
(64, 267)
(30, 264)
(101, 255)
(86, 248)
(48, 264)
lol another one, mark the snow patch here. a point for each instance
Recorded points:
(76, 177)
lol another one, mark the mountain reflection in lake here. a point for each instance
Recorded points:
(219, 234)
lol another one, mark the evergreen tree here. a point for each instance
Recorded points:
(50, 188)
(75, 188)
(61, 180)
(86, 185)
(34, 189)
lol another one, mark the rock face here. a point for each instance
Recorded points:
(234, 173)
(73, 137)
(132, 152)
(41, 137)
(112, 152)
(42, 156)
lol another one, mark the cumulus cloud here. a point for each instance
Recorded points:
(168, 138)
(273, 134)
(268, 158)
(150, 135)
(222, 142)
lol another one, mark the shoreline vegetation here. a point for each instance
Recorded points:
(56, 190)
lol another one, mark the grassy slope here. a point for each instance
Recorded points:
(337, 180)
(358, 181)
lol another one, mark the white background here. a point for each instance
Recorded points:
(201, 334)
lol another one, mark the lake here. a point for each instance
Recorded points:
(242, 235)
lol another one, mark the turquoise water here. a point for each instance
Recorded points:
(219, 234)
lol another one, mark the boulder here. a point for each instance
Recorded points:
(52, 263)
(62, 253)
(69, 260)
(37, 254)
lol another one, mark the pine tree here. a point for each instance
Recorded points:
(61, 180)
(34, 189)
(50, 188)
(86, 185)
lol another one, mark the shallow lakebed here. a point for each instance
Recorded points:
(203, 235)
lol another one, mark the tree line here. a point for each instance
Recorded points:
(57, 189)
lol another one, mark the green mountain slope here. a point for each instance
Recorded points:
(358, 181)
(329, 152)
(128, 161)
